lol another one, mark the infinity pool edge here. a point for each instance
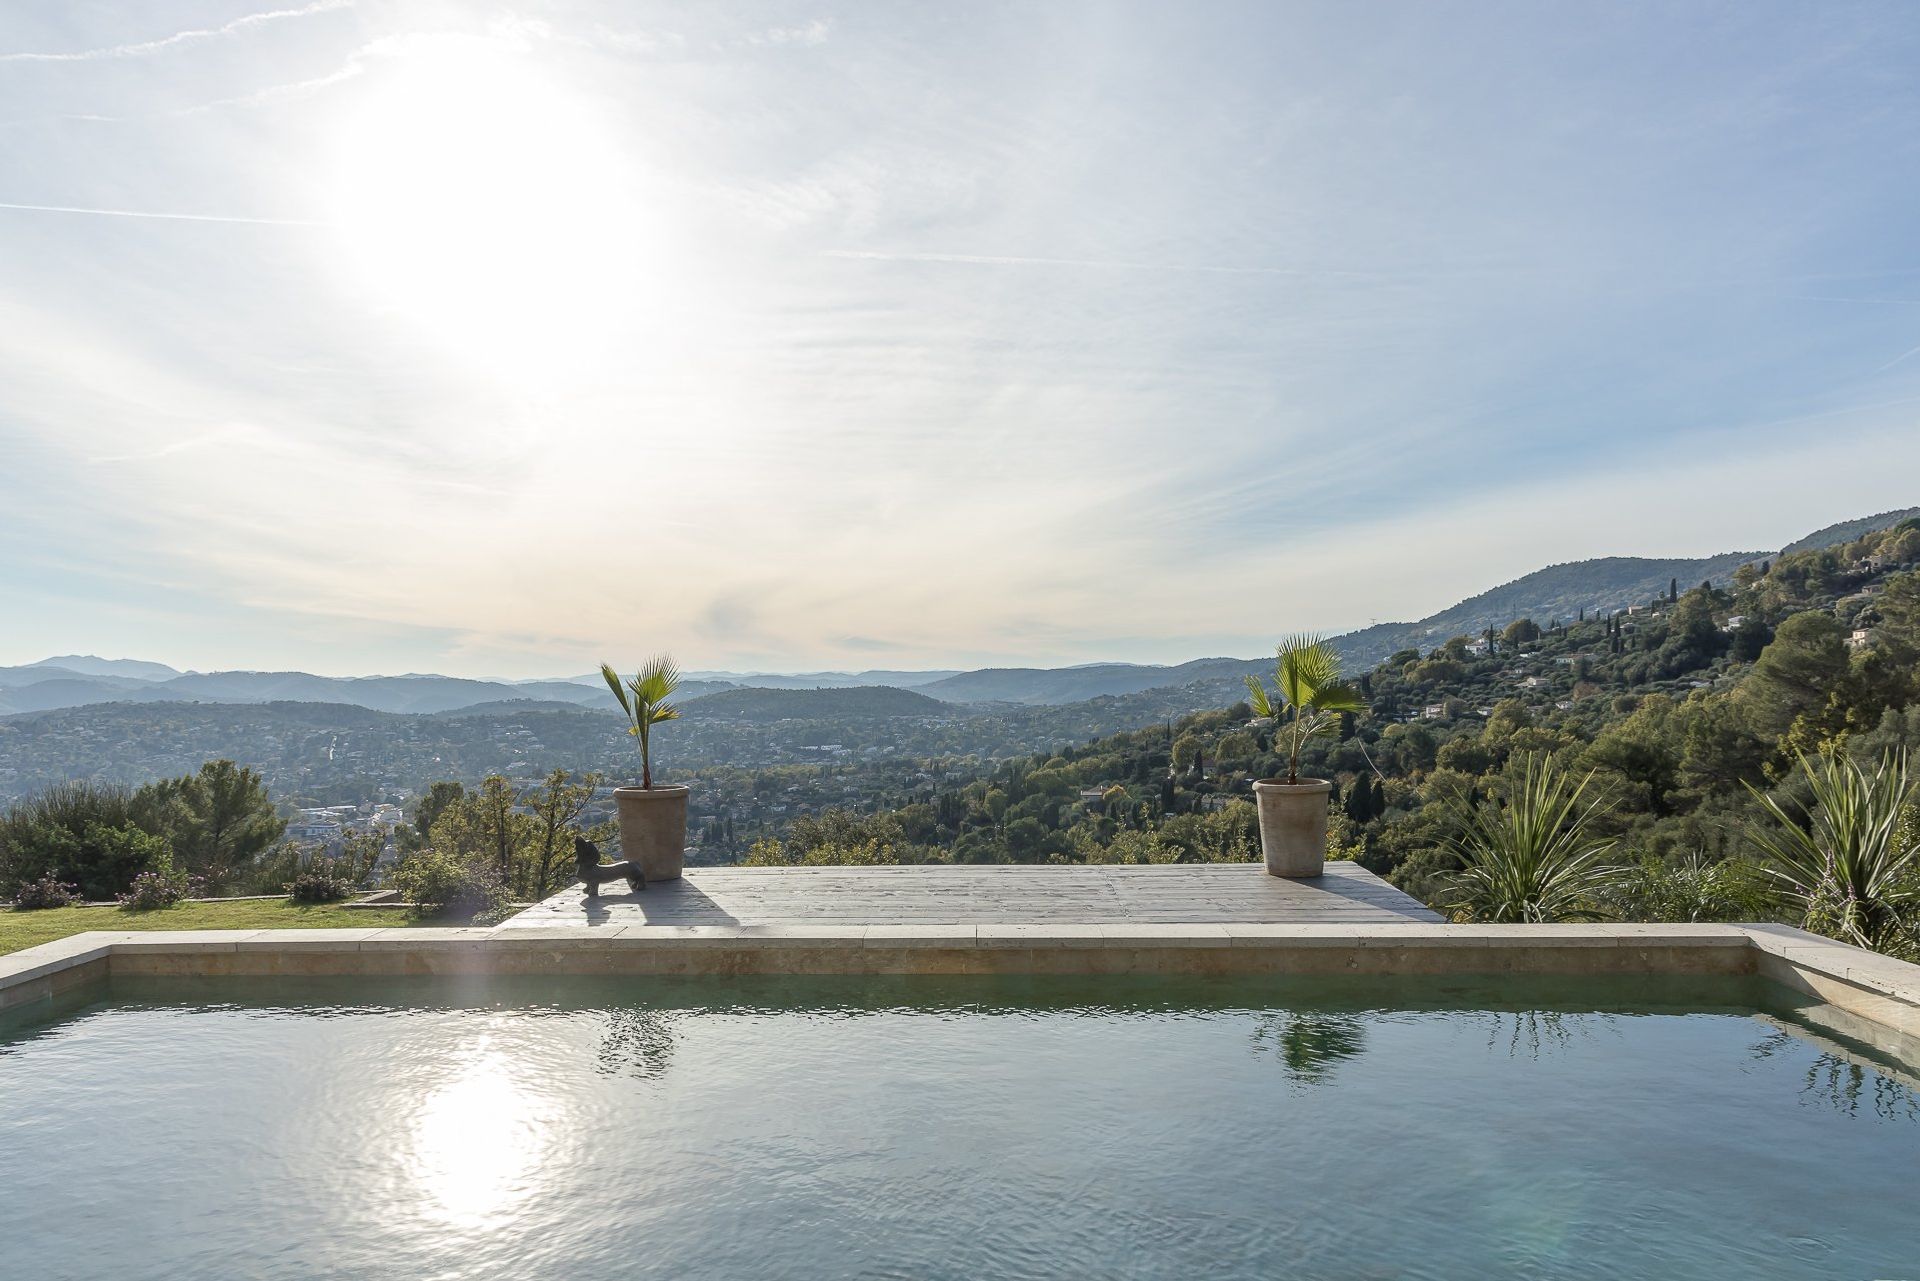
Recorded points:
(1866, 985)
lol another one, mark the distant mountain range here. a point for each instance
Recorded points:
(834, 701)
(76, 681)
(1558, 591)
(1054, 685)
(816, 680)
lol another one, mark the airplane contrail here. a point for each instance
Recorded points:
(143, 47)
(169, 217)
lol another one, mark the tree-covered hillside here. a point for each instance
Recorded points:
(1682, 708)
(1584, 587)
(1848, 531)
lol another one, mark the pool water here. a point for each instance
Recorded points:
(948, 1128)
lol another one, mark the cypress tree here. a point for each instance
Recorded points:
(1360, 799)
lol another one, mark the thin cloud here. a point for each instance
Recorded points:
(142, 48)
(1901, 359)
(184, 445)
(808, 34)
(354, 66)
(1112, 264)
(166, 217)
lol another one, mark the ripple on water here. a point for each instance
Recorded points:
(897, 1128)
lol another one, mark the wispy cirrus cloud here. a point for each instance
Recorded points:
(810, 33)
(161, 215)
(1034, 337)
(1111, 264)
(144, 48)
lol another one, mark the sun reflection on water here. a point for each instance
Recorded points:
(478, 1141)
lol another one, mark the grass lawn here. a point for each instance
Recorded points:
(25, 929)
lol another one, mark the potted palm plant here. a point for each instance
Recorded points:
(653, 820)
(1293, 810)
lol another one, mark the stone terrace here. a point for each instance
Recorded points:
(1210, 893)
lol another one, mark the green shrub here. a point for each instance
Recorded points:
(1693, 889)
(322, 881)
(436, 882)
(214, 823)
(78, 833)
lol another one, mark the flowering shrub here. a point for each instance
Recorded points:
(45, 892)
(322, 881)
(157, 889)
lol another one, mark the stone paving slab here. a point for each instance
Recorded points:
(1175, 894)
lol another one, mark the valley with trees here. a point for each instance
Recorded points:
(1683, 730)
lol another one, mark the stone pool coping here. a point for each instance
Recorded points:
(1876, 990)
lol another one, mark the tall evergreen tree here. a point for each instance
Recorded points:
(1360, 799)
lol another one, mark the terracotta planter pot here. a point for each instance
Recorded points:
(653, 828)
(1293, 825)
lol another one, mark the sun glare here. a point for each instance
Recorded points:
(477, 1140)
(487, 202)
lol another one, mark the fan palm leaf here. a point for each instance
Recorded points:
(1306, 679)
(643, 701)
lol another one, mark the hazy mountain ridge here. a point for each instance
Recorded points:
(1556, 591)
(39, 688)
(789, 704)
(1076, 684)
(825, 680)
(90, 665)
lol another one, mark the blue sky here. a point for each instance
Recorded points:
(499, 339)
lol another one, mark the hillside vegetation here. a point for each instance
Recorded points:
(1683, 710)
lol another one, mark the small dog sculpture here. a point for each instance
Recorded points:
(586, 861)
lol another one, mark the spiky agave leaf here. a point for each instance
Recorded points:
(1531, 860)
(1845, 861)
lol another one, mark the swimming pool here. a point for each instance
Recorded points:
(950, 1127)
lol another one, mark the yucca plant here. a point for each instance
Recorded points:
(1531, 859)
(1307, 679)
(643, 697)
(1847, 862)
